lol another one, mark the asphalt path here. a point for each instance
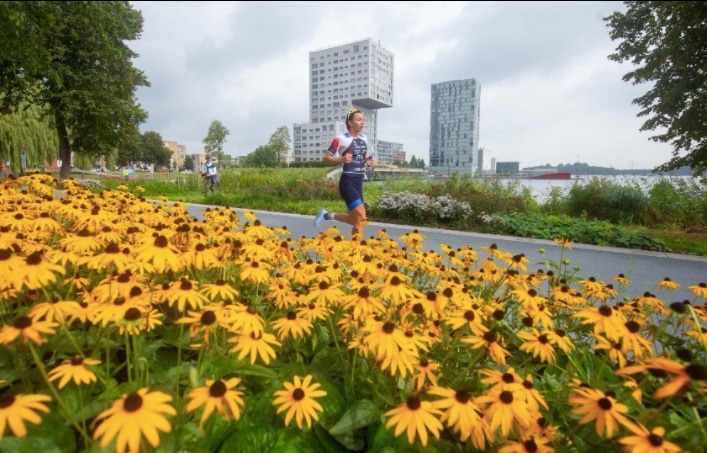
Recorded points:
(644, 269)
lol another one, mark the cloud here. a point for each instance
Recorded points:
(549, 94)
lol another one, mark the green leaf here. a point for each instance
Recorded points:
(28, 445)
(362, 413)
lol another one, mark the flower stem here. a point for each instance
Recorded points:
(69, 414)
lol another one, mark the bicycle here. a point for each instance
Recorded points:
(210, 183)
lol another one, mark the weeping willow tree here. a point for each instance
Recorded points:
(29, 130)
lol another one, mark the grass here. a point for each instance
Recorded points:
(304, 191)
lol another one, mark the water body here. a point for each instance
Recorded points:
(541, 188)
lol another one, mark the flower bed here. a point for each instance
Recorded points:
(129, 325)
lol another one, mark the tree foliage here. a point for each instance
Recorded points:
(280, 143)
(147, 148)
(30, 130)
(667, 44)
(215, 139)
(71, 59)
(263, 156)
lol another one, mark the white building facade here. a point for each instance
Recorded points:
(454, 127)
(354, 75)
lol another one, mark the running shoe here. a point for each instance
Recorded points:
(321, 216)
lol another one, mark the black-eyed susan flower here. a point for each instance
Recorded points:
(15, 410)
(503, 408)
(324, 293)
(612, 348)
(217, 395)
(605, 320)
(699, 289)
(219, 290)
(424, 373)
(185, 293)
(292, 325)
(247, 320)
(595, 405)
(538, 344)
(416, 418)
(255, 345)
(256, 271)
(462, 415)
(682, 375)
(161, 254)
(36, 273)
(363, 303)
(299, 400)
(490, 341)
(668, 284)
(533, 444)
(648, 441)
(54, 310)
(395, 291)
(466, 316)
(314, 311)
(27, 329)
(76, 370)
(132, 417)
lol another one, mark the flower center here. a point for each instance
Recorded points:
(217, 389)
(132, 314)
(132, 403)
(22, 322)
(462, 396)
(208, 317)
(506, 397)
(530, 446)
(6, 400)
(605, 403)
(413, 403)
(298, 394)
(655, 440)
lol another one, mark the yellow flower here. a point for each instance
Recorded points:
(292, 325)
(564, 242)
(16, 409)
(668, 284)
(462, 415)
(217, 395)
(646, 441)
(298, 399)
(255, 344)
(425, 373)
(699, 290)
(417, 418)
(595, 405)
(133, 416)
(28, 329)
(538, 344)
(74, 370)
(503, 408)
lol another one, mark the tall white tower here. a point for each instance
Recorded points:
(354, 75)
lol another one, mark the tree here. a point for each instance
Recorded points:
(280, 143)
(215, 139)
(667, 42)
(154, 150)
(263, 156)
(71, 58)
(188, 163)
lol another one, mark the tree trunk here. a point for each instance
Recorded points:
(64, 147)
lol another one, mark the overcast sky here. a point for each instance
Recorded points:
(549, 94)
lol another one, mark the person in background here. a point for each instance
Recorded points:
(351, 151)
(210, 174)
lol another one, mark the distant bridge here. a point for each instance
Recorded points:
(380, 172)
